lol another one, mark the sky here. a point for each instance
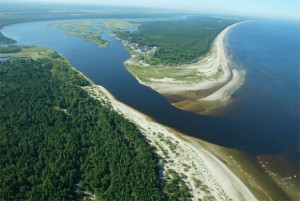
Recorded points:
(264, 8)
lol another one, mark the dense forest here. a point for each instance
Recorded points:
(180, 41)
(57, 143)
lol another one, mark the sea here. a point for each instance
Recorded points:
(262, 117)
(269, 99)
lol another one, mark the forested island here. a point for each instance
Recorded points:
(92, 30)
(85, 30)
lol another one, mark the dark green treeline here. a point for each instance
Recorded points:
(57, 143)
(177, 42)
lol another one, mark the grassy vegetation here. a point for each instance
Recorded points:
(197, 182)
(186, 167)
(159, 72)
(118, 24)
(10, 49)
(92, 30)
(140, 67)
(33, 52)
(178, 42)
(173, 47)
(171, 144)
(58, 143)
(87, 30)
(175, 187)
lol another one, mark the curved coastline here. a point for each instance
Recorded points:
(216, 62)
(226, 91)
(231, 169)
(203, 163)
(189, 152)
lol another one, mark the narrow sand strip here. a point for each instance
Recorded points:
(225, 92)
(182, 154)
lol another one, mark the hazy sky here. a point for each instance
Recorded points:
(268, 8)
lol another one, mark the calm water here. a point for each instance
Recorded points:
(4, 59)
(264, 116)
(269, 98)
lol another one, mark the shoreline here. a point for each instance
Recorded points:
(214, 161)
(205, 175)
(189, 159)
(222, 79)
(220, 158)
(226, 91)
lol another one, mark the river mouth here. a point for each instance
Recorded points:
(260, 128)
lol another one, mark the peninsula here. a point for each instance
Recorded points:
(95, 133)
(191, 81)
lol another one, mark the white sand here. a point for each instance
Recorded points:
(188, 157)
(225, 92)
(214, 63)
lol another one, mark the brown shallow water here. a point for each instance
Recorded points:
(247, 168)
(189, 100)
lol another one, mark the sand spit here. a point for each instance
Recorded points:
(215, 73)
(205, 175)
(225, 92)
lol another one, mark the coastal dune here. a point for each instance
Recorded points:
(205, 175)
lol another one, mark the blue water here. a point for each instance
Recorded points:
(4, 59)
(270, 97)
(263, 117)
(270, 53)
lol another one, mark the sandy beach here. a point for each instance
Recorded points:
(182, 154)
(225, 92)
(219, 77)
